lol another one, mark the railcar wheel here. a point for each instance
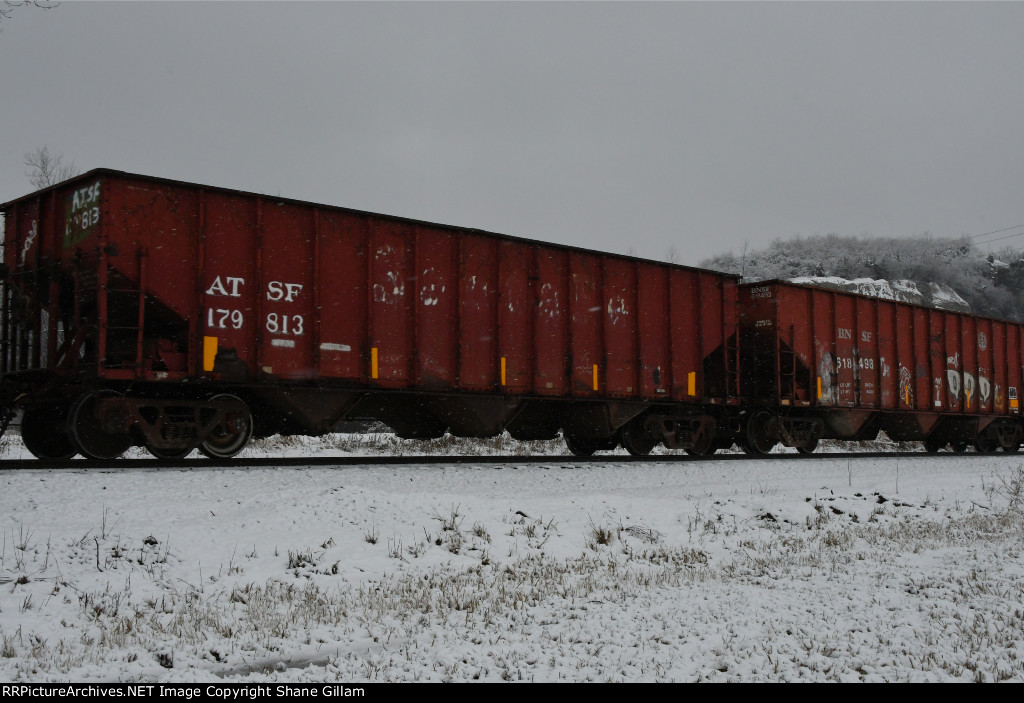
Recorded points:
(986, 443)
(168, 454)
(100, 436)
(579, 447)
(933, 444)
(758, 438)
(44, 433)
(634, 440)
(1008, 439)
(959, 447)
(231, 434)
(704, 446)
(809, 446)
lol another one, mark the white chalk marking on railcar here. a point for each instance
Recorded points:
(84, 215)
(428, 291)
(548, 303)
(617, 309)
(33, 232)
(381, 294)
(290, 343)
(331, 346)
(83, 197)
(428, 294)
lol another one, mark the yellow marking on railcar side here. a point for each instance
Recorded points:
(595, 377)
(503, 371)
(209, 352)
(373, 363)
(691, 383)
(819, 387)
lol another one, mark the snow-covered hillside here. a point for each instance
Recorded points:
(952, 274)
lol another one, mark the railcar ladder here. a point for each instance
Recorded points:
(787, 367)
(127, 295)
(137, 329)
(21, 326)
(732, 366)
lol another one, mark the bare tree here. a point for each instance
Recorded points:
(7, 6)
(48, 168)
(673, 256)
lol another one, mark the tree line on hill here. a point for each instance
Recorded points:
(992, 283)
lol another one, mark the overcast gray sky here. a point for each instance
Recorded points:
(607, 125)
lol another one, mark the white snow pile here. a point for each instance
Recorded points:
(907, 568)
(935, 295)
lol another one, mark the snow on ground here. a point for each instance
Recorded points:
(906, 568)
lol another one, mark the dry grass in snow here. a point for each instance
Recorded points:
(848, 570)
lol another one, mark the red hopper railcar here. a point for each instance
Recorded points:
(143, 311)
(825, 363)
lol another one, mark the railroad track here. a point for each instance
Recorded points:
(436, 460)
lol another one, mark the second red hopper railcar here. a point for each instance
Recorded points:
(825, 363)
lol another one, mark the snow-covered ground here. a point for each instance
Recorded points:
(907, 568)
